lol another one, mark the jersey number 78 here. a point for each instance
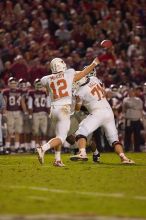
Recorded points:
(99, 91)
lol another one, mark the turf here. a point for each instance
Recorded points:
(85, 188)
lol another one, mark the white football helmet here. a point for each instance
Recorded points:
(37, 84)
(93, 73)
(144, 87)
(22, 83)
(58, 65)
(12, 83)
(85, 78)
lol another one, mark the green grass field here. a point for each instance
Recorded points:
(80, 188)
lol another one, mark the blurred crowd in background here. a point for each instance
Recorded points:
(34, 32)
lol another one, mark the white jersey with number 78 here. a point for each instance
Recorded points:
(92, 95)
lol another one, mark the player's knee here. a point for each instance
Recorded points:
(79, 136)
(71, 139)
(116, 143)
(62, 138)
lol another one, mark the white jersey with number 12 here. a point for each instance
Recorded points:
(60, 86)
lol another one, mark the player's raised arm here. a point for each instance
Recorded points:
(80, 74)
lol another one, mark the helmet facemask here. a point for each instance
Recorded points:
(22, 83)
(37, 84)
(82, 81)
(93, 73)
(12, 83)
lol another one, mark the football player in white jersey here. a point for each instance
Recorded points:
(92, 95)
(59, 85)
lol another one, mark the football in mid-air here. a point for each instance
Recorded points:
(106, 43)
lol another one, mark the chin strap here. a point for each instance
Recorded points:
(87, 81)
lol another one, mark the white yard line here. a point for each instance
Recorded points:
(14, 165)
(22, 165)
(140, 197)
(67, 217)
(92, 194)
(64, 217)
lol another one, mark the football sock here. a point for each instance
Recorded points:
(96, 152)
(17, 144)
(27, 146)
(37, 145)
(7, 144)
(22, 145)
(58, 155)
(83, 151)
(1, 149)
(122, 156)
(32, 144)
(46, 147)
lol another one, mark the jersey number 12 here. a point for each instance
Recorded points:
(59, 89)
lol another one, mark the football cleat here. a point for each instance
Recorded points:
(96, 158)
(58, 163)
(79, 157)
(127, 161)
(7, 151)
(41, 154)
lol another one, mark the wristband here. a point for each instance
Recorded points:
(96, 63)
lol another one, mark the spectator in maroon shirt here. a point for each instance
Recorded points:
(48, 40)
(6, 74)
(78, 33)
(19, 68)
(36, 70)
(108, 55)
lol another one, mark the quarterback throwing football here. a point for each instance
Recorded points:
(59, 85)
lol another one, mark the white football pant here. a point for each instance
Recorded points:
(99, 118)
(1, 136)
(61, 117)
